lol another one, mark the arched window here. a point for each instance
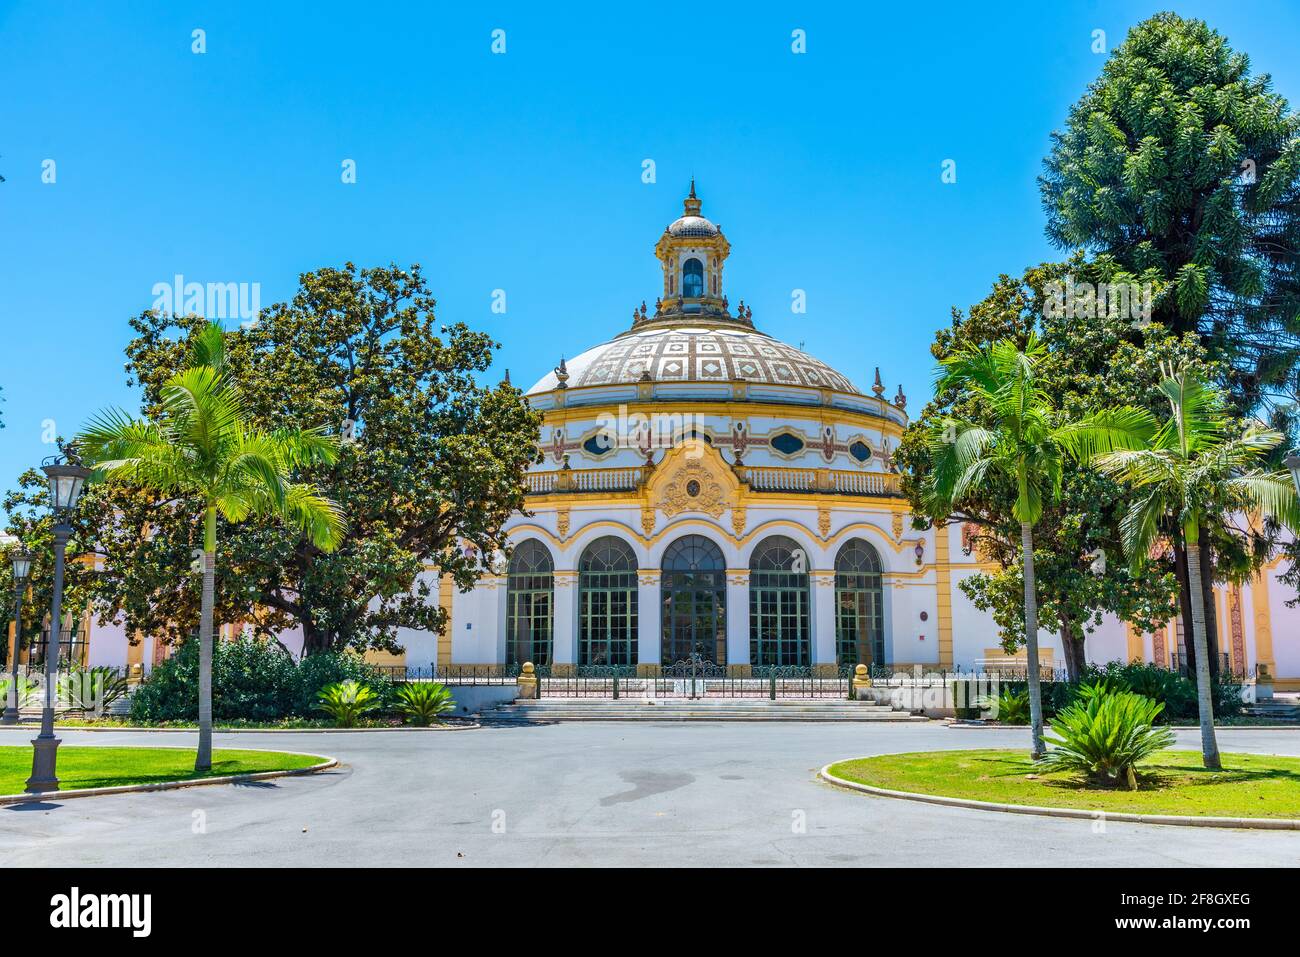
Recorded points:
(778, 603)
(530, 603)
(859, 616)
(694, 594)
(607, 590)
(692, 279)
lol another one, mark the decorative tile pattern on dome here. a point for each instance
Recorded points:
(708, 355)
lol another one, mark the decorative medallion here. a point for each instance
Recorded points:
(738, 520)
(562, 523)
(648, 521)
(898, 526)
(824, 521)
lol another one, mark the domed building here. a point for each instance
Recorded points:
(710, 491)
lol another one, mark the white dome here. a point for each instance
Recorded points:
(697, 354)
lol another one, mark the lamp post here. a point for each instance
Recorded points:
(67, 478)
(22, 561)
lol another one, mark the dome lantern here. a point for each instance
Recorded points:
(691, 253)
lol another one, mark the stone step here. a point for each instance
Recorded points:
(522, 719)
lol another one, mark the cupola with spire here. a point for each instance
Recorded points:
(691, 253)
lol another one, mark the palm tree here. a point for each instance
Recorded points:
(1189, 469)
(1018, 448)
(1022, 447)
(200, 447)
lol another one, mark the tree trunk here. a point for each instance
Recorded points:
(1185, 608)
(203, 759)
(1211, 610)
(1072, 649)
(1037, 748)
(1205, 702)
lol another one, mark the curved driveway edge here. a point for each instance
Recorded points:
(42, 796)
(1253, 823)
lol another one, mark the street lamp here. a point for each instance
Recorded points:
(22, 561)
(67, 478)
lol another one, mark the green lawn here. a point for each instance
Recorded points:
(92, 767)
(1173, 782)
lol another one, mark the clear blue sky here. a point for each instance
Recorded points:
(523, 171)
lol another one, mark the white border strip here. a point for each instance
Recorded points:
(1253, 823)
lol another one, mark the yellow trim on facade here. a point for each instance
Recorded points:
(445, 591)
(1136, 651)
(1263, 620)
(943, 594)
(739, 409)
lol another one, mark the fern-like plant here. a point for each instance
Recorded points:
(424, 702)
(347, 701)
(1008, 707)
(1105, 734)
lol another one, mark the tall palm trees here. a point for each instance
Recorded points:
(1022, 446)
(201, 448)
(1187, 469)
(1019, 448)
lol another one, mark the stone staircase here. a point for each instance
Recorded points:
(684, 709)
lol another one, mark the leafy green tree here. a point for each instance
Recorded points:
(200, 449)
(1189, 468)
(1180, 167)
(1073, 589)
(430, 464)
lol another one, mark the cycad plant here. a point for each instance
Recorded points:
(1105, 733)
(347, 701)
(200, 448)
(1185, 470)
(424, 702)
(1016, 441)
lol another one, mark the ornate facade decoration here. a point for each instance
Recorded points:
(738, 520)
(562, 522)
(824, 521)
(898, 526)
(1236, 628)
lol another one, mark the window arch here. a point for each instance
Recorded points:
(694, 594)
(530, 604)
(779, 632)
(607, 589)
(692, 279)
(859, 605)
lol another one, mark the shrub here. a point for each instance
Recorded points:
(1105, 734)
(26, 688)
(347, 701)
(334, 667)
(251, 679)
(91, 689)
(422, 702)
(1008, 706)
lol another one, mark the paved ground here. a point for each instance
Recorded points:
(614, 794)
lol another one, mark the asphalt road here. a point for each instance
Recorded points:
(596, 794)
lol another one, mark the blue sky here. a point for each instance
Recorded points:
(522, 171)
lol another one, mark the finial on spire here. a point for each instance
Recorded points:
(879, 387)
(506, 380)
(900, 400)
(691, 205)
(561, 375)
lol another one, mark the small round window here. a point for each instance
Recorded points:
(693, 488)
